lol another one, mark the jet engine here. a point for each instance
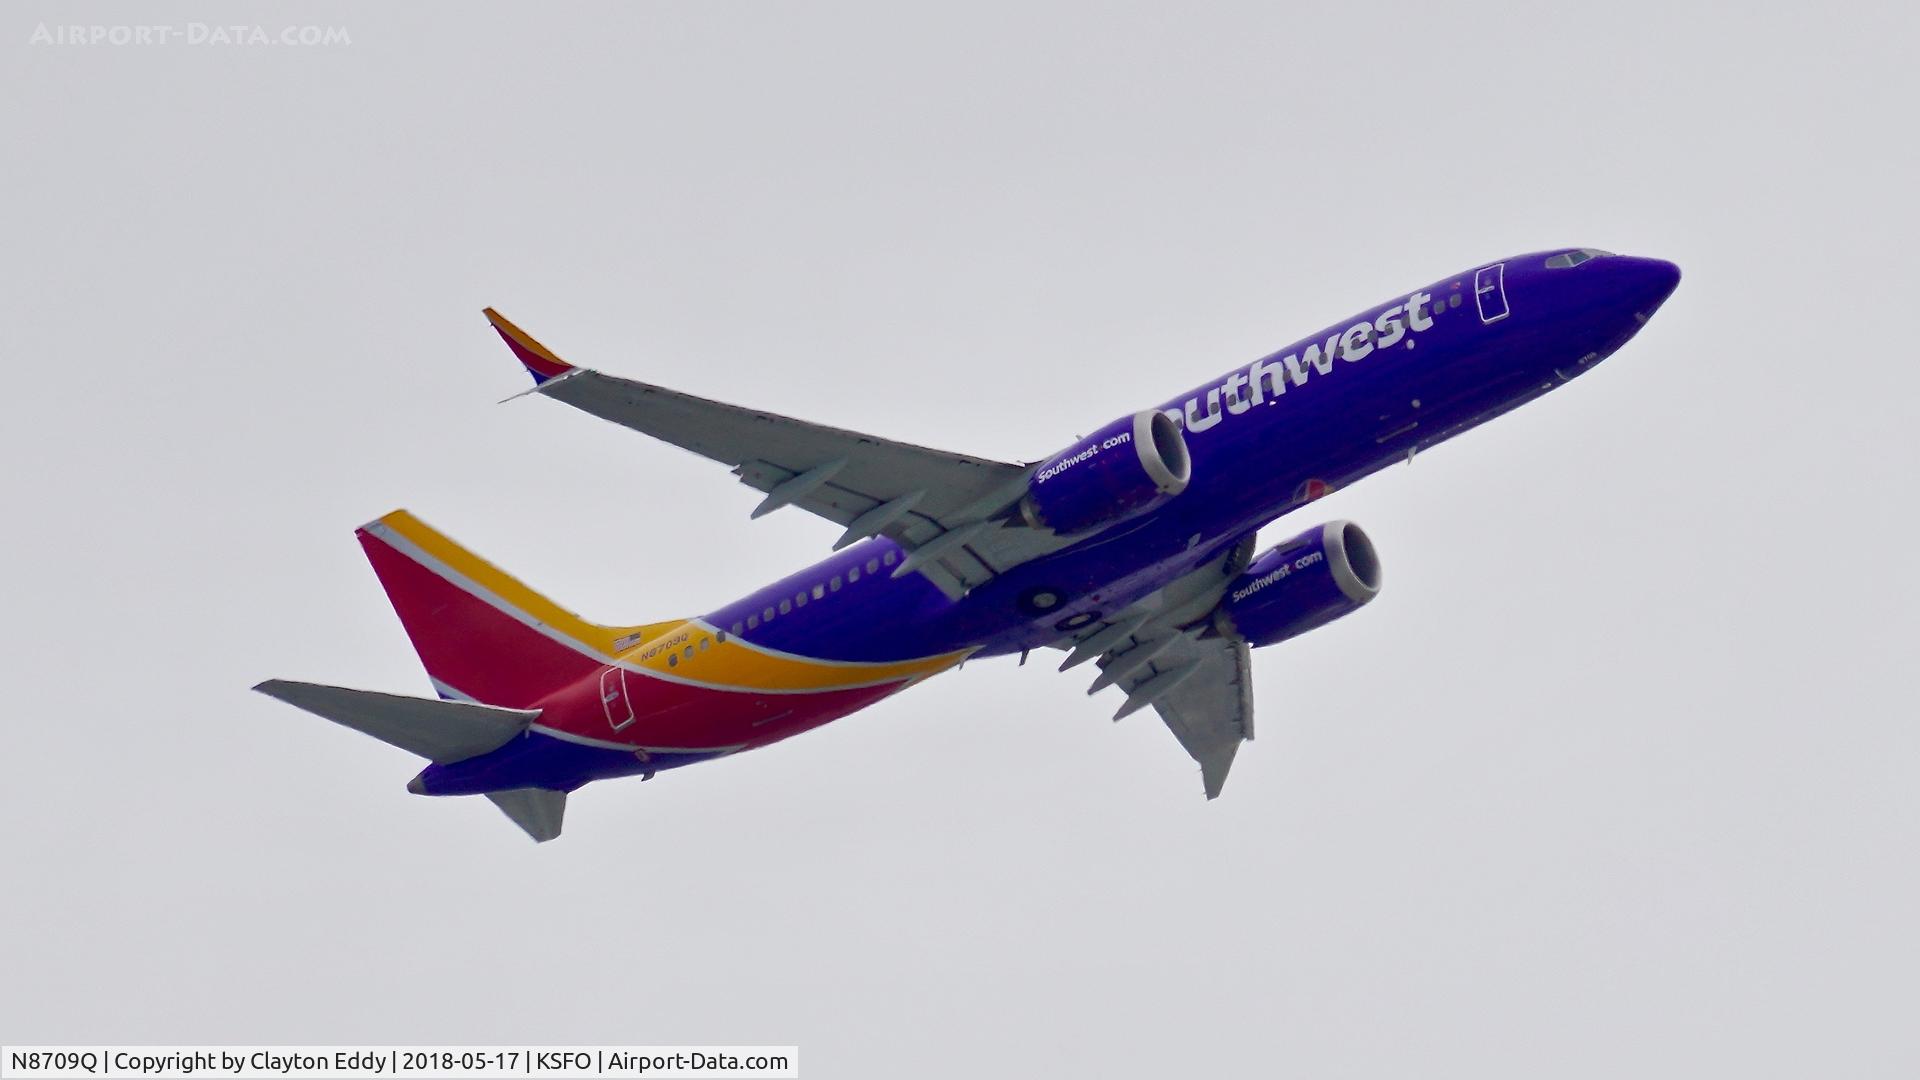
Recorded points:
(1121, 471)
(1326, 572)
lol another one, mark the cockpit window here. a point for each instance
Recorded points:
(1574, 258)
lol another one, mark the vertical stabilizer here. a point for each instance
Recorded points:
(482, 635)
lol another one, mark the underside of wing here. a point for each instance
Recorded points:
(1211, 710)
(1164, 652)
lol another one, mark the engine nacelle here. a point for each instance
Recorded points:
(1123, 470)
(1326, 572)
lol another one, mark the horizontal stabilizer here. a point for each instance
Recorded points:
(442, 731)
(537, 810)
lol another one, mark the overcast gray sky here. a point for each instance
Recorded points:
(1617, 777)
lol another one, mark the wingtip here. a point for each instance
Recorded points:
(1213, 772)
(539, 360)
(1212, 783)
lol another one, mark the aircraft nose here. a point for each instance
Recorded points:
(418, 785)
(1653, 280)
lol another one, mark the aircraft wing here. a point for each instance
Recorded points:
(1162, 652)
(947, 510)
(1210, 711)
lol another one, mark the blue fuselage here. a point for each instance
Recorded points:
(1266, 438)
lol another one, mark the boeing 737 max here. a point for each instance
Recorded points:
(1133, 548)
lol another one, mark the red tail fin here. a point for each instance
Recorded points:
(482, 635)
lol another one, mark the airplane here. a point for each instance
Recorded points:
(1133, 548)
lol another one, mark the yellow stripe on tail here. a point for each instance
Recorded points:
(605, 641)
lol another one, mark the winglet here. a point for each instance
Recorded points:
(539, 360)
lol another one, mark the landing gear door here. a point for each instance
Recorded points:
(1490, 292)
